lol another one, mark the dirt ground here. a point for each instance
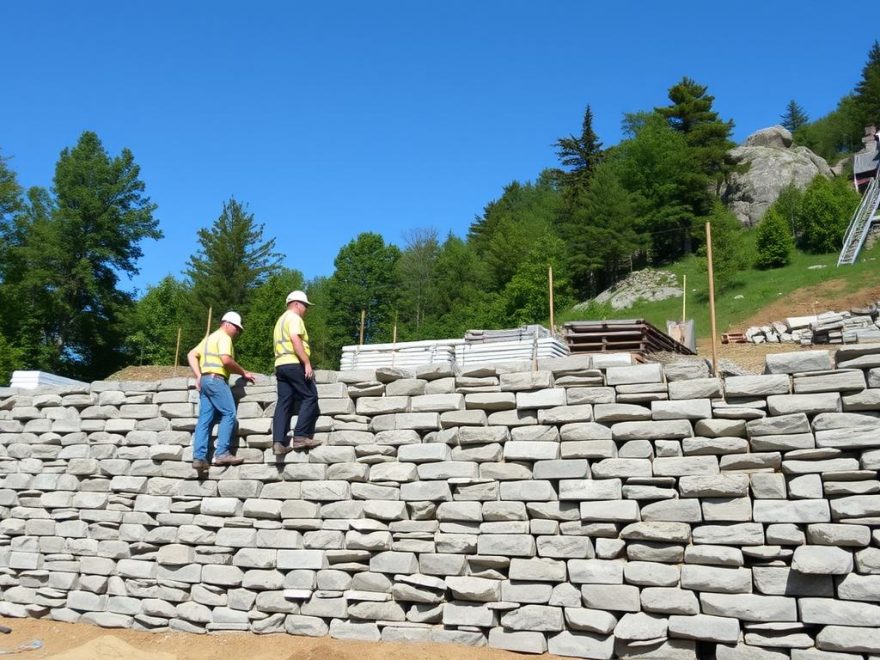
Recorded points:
(68, 641)
(829, 295)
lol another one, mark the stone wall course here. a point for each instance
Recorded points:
(572, 509)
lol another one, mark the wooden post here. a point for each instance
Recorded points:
(394, 331)
(550, 284)
(363, 320)
(177, 351)
(684, 295)
(208, 329)
(712, 298)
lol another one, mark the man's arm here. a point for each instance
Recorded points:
(300, 350)
(233, 366)
(193, 358)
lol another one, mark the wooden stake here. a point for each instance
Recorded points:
(394, 332)
(712, 298)
(684, 295)
(550, 284)
(363, 320)
(208, 329)
(177, 351)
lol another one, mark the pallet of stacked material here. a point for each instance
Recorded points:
(30, 380)
(509, 334)
(635, 336)
(400, 354)
(528, 348)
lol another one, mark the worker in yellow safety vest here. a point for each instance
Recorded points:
(211, 362)
(295, 379)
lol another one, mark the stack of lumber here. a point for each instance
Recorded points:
(629, 335)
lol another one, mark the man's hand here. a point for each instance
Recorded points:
(249, 377)
(199, 383)
(309, 372)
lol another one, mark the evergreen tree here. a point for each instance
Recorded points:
(231, 262)
(601, 234)
(580, 155)
(510, 224)
(794, 116)
(65, 255)
(774, 242)
(657, 168)
(706, 133)
(867, 93)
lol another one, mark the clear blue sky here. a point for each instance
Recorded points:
(334, 118)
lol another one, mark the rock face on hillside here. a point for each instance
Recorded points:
(645, 284)
(773, 165)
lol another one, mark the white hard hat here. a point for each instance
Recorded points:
(234, 318)
(298, 296)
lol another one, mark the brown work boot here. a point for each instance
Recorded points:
(301, 442)
(200, 465)
(280, 450)
(228, 459)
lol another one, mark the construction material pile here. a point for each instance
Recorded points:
(856, 326)
(529, 342)
(629, 335)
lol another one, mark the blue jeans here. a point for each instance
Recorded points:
(215, 399)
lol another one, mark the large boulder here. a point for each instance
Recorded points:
(773, 164)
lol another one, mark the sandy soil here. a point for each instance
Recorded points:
(66, 641)
(827, 296)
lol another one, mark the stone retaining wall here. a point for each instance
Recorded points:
(632, 511)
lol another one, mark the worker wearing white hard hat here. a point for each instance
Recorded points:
(295, 379)
(211, 362)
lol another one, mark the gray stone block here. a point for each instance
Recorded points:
(798, 361)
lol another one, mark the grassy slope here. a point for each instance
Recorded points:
(758, 288)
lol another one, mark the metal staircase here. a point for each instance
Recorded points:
(860, 225)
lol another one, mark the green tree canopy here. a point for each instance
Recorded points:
(364, 279)
(231, 262)
(416, 272)
(155, 320)
(730, 251)
(774, 242)
(254, 347)
(824, 214)
(66, 254)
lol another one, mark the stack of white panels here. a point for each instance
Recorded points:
(403, 355)
(31, 380)
(527, 348)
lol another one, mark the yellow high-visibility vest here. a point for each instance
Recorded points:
(211, 352)
(283, 340)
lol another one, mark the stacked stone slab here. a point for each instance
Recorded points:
(582, 509)
(861, 325)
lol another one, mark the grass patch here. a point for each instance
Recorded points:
(747, 293)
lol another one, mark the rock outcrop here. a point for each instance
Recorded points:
(773, 164)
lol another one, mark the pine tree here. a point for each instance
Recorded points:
(580, 154)
(867, 94)
(706, 133)
(231, 262)
(794, 116)
(774, 242)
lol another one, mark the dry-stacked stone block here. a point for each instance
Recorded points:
(579, 506)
